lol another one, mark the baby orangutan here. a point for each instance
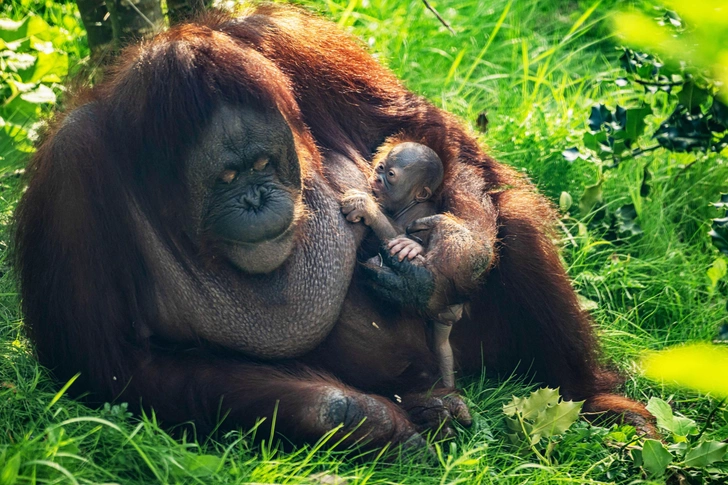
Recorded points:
(402, 184)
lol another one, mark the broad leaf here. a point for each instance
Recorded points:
(32, 25)
(17, 61)
(682, 426)
(590, 198)
(719, 110)
(627, 225)
(530, 406)
(53, 64)
(677, 425)
(691, 96)
(599, 116)
(11, 30)
(635, 125)
(655, 457)
(706, 453)
(41, 94)
(662, 411)
(557, 418)
(685, 132)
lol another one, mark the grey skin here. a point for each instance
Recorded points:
(402, 185)
(292, 295)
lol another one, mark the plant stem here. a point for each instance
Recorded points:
(541, 458)
(641, 151)
(709, 419)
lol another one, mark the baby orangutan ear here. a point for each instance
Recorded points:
(424, 194)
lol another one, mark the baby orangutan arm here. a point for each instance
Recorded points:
(361, 206)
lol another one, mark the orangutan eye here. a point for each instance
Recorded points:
(227, 176)
(391, 173)
(260, 164)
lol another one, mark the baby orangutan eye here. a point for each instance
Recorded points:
(260, 164)
(227, 176)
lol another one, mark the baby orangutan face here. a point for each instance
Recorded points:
(409, 173)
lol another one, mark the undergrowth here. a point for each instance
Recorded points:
(533, 70)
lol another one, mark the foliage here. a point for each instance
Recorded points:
(719, 230)
(702, 366)
(34, 61)
(542, 416)
(687, 452)
(704, 43)
(534, 66)
(697, 123)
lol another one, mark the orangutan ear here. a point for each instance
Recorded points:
(424, 194)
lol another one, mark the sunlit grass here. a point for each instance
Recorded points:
(535, 68)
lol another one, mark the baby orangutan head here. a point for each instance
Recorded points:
(409, 174)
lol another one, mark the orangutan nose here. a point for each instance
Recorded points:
(252, 198)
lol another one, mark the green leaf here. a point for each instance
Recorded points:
(677, 425)
(529, 407)
(691, 96)
(706, 453)
(636, 122)
(682, 426)
(201, 465)
(11, 30)
(565, 201)
(685, 131)
(18, 61)
(655, 457)
(719, 111)
(637, 456)
(39, 28)
(41, 94)
(53, 64)
(599, 116)
(9, 473)
(662, 411)
(717, 271)
(626, 217)
(557, 418)
(590, 198)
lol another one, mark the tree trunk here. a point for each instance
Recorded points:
(134, 19)
(181, 10)
(95, 18)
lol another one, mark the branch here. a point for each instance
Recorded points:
(641, 151)
(442, 20)
(657, 83)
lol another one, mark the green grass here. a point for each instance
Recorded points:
(536, 68)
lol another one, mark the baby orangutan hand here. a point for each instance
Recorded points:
(358, 205)
(404, 247)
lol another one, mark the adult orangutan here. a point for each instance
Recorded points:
(181, 243)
